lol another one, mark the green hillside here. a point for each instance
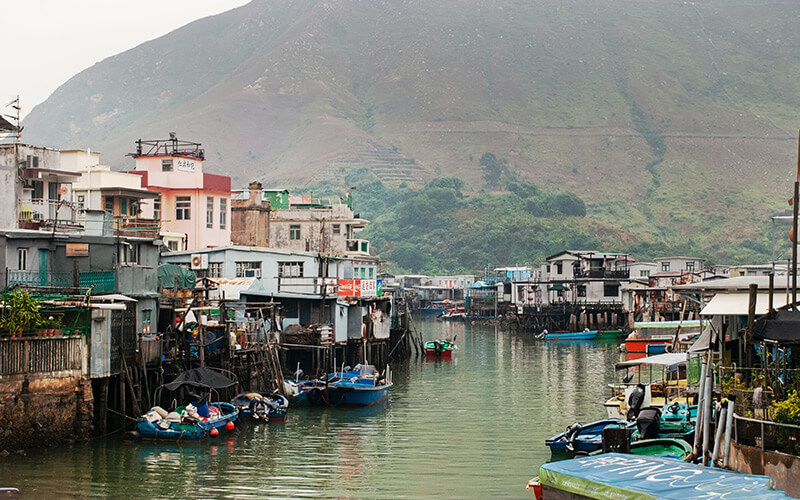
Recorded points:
(674, 122)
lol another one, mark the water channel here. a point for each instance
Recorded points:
(473, 427)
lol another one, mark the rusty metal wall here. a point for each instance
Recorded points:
(40, 355)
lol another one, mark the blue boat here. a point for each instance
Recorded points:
(267, 406)
(584, 335)
(302, 392)
(182, 424)
(617, 475)
(362, 386)
(577, 437)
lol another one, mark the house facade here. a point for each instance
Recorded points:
(193, 207)
(581, 276)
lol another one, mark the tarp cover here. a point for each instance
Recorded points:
(666, 359)
(614, 475)
(200, 377)
(783, 327)
(166, 276)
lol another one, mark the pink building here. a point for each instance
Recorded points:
(193, 206)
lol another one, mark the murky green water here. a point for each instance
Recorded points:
(473, 427)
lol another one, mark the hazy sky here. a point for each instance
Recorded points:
(46, 42)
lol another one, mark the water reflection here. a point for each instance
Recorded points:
(473, 426)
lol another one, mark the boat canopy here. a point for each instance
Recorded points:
(783, 327)
(738, 304)
(668, 359)
(200, 377)
(616, 475)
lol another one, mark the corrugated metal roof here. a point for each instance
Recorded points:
(738, 304)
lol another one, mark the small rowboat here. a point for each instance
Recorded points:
(585, 438)
(440, 348)
(174, 426)
(262, 406)
(584, 335)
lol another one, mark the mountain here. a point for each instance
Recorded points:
(672, 120)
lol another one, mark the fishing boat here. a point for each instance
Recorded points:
(577, 437)
(267, 406)
(584, 335)
(361, 386)
(618, 475)
(187, 422)
(302, 392)
(196, 420)
(440, 348)
(609, 334)
(657, 337)
(659, 447)
(653, 381)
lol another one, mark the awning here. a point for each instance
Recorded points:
(737, 304)
(200, 377)
(557, 287)
(666, 359)
(784, 327)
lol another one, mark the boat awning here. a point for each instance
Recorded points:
(737, 304)
(666, 359)
(616, 475)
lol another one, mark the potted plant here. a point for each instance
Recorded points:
(22, 314)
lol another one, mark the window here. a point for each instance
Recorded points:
(363, 273)
(38, 190)
(157, 208)
(248, 269)
(690, 266)
(290, 269)
(123, 205)
(22, 259)
(665, 266)
(81, 201)
(644, 273)
(183, 208)
(223, 213)
(559, 267)
(147, 318)
(215, 269)
(166, 165)
(610, 289)
(294, 232)
(108, 204)
(337, 228)
(581, 291)
(128, 253)
(372, 273)
(210, 212)
(32, 161)
(172, 245)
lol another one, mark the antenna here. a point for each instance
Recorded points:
(15, 105)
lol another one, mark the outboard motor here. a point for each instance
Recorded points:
(438, 347)
(635, 401)
(648, 423)
(572, 432)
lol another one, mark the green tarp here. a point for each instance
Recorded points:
(167, 273)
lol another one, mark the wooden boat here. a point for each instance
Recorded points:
(584, 335)
(659, 447)
(577, 437)
(617, 475)
(609, 334)
(181, 424)
(302, 392)
(362, 386)
(440, 348)
(265, 406)
(662, 377)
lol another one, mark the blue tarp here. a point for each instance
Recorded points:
(615, 476)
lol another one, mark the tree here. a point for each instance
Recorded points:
(493, 169)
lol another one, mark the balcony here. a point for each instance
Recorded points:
(597, 274)
(103, 281)
(357, 247)
(37, 212)
(136, 228)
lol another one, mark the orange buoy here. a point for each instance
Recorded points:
(791, 235)
(213, 432)
(229, 425)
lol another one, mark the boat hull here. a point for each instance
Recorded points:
(196, 431)
(348, 395)
(590, 437)
(571, 336)
(274, 407)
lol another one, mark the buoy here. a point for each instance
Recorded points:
(229, 425)
(214, 432)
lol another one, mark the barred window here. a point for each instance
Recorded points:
(290, 269)
(215, 269)
(248, 269)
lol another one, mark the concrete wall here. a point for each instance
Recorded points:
(44, 408)
(782, 468)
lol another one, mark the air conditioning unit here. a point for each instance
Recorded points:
(199, 261)
(252, 273)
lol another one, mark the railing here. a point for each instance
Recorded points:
(103, 281)
(358, 246)
(767, 435)
(136, 227)
(40, 355)
(603, 273)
